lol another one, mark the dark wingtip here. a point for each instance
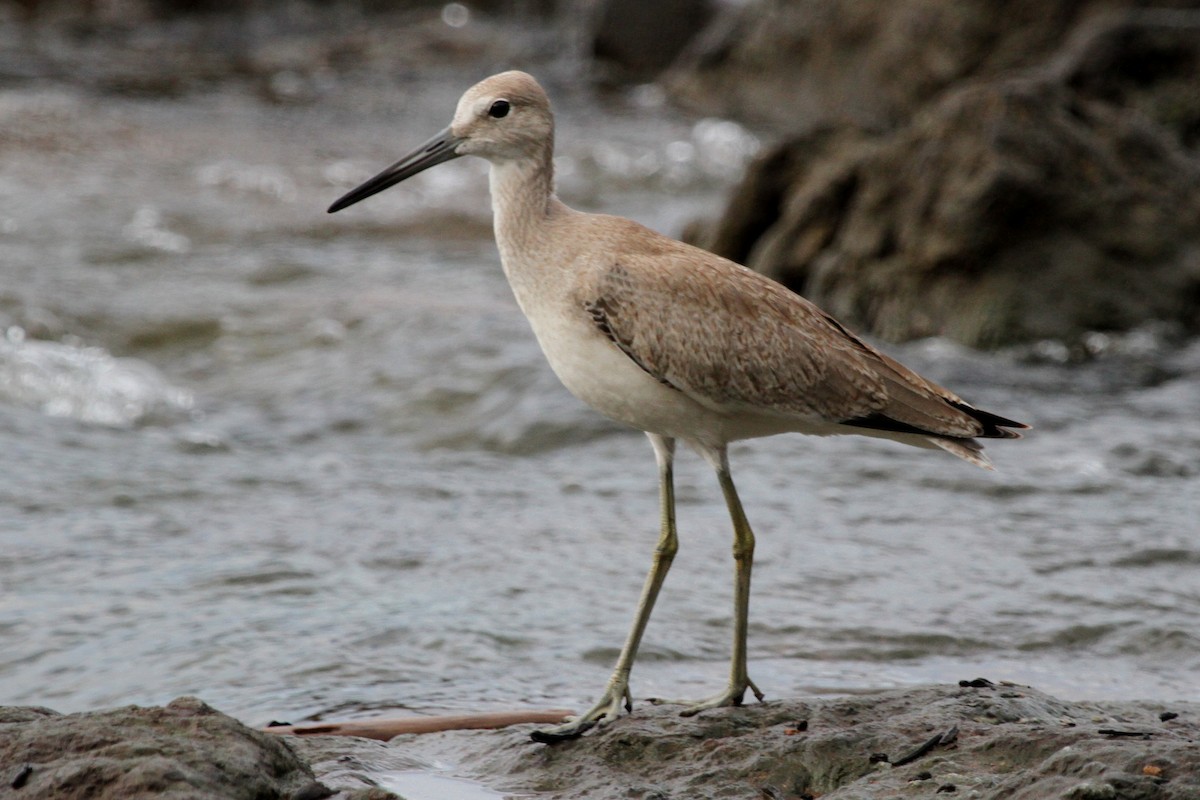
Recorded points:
(993, 424)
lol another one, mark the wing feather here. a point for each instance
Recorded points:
(729, 337)
(733, 340)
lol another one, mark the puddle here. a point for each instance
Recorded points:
(418, 785)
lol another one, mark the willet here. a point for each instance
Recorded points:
(676, 342)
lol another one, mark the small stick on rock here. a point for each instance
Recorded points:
(384, 729)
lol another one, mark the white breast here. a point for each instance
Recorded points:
(598, 373)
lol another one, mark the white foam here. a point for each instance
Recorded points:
(84, 383)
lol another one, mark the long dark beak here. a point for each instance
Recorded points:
(437, 150)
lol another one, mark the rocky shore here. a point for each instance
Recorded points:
(977, 739)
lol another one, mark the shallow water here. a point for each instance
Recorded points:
(315, 467)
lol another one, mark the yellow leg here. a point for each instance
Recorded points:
(616, 694)
(743, 559)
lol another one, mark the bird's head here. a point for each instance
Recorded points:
(502, 118)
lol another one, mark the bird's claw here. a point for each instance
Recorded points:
(561, 733)
(732, 696)
(609, 707)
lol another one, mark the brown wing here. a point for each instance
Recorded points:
(731, 338)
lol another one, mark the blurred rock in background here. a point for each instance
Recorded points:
(632, 40)
(993, 174)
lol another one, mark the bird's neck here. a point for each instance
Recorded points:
(522, 200)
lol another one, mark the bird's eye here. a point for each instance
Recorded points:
(499, 109)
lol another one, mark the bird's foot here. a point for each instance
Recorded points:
(732, 696)
(616, 699)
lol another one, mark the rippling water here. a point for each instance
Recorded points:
(314, 467)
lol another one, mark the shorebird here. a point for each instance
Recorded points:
(676, 342)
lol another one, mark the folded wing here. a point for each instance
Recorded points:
(732, 339)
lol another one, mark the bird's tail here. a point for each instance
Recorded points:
(966, 449)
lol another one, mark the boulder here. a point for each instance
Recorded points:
(1043, 204)
(976, 739)
(1009, 211)
(632, 40)
(1142, 59)
(806, 63)
(182, 750)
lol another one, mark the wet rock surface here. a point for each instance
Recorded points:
(182, 750)
(977, 739)
(981, 740)
(928, 194)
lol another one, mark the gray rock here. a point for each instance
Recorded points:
(1009, 211)
(1142, 59)
(985, 740)
(183, 750)
(806, 63)
(1039, 205)
(1010, 742)
(634, 40)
